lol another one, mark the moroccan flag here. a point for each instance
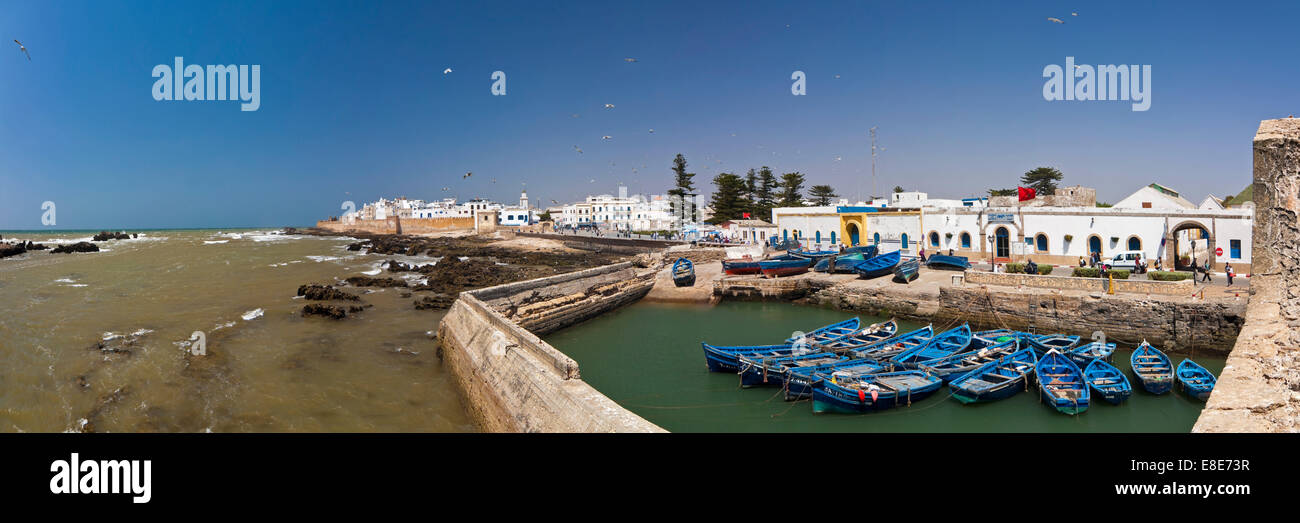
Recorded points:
(745, 215)
(1026, 193)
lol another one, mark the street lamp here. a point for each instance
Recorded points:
(992, 248)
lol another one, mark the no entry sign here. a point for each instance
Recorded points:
(1218, 251)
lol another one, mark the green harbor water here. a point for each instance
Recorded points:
(647, 357)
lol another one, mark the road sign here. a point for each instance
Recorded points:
(1218, 251)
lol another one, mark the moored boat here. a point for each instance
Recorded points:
(801, 381)
(777, 267)
(956, 365)
(683, 272)
(944, 344)
(882, 350)
(1107, 381)
(758, 371)
(996, 380)
(940, 261)
(1042, 343)
(1197, 382)
(878, 265)
(861, 337)
(1060, 383)
(867, 251)
(1084, 354)
(721, 358)
(1152, 368)
(907, 271)
(872, 392)
(737, 266)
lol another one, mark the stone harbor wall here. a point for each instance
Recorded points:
(606, 243)
(510, 379)
(1259, 389)
(1132, 285)
(389, 226)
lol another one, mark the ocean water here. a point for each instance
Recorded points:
(267, 368)
(647, 357)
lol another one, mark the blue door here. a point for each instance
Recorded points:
(1235, 249)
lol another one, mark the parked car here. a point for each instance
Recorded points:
(1124, 260)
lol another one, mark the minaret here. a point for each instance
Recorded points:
(523, 199)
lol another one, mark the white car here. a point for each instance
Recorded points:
(1124, 260)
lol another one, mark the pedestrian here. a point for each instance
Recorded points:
(1207, 271)
(1227, 271)
(922, 252)
(950, 253)
(1082, 262)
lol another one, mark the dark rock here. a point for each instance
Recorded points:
(105, 235)
(328, 311)
(366, 281)
(324, 292)
(7, 250)
(36, 246)
(77, 247)
(434, 302)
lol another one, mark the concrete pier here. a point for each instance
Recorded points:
(1259, 389)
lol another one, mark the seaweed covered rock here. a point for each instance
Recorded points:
(366, 281)
(434, 302)
(324, 292)
(77, 247)
(105, 235)
(328, 311)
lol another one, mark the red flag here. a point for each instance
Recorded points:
(1026, 193)
(745, 215)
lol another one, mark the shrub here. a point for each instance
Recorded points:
(1086, 272)
(1045, 269)
(1168, 275)
(1015, 268)
(1069, 237)
(1119, 274)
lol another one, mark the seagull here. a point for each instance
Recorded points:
(1057, 20)
(575, 115)
(446, 71)
(609, 106)
(652, 131)
(446, 188)
(593, 180)
(606, 137)
(629, 60)
(555, 202)
(576, 148)
(494, 180)
(837, 76)
(467, 175)
(23, 49)
(1074, 14)
(838, 158)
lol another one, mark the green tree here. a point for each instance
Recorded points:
(791, 190)
(1002, 192)
(822, 194)
(751, 192)
(1042, 179)
(765, 195)
(683, 186)
(898, 188)
(728, 198)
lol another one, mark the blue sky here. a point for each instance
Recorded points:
(354, 104)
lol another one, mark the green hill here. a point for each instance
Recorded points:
(1246, 195)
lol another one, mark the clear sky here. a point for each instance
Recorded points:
(355, 104)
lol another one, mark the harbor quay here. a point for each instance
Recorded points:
(514, 381)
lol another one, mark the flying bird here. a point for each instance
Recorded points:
(575, 115)
(1057, 20)
(606, 137)
(837, 76)
(494, 180)
(555, 202)
(652, 131)
(629, 60)
(838, 158)
(593, 180)
(609, 106)
(1074, 14)
(446, 71)
(576, 148)
(467, 175)
(23, 49)
(446, 188)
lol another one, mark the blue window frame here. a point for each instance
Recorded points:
(1042, 242)
(904, 241)
(965, 240)
(1234, 249)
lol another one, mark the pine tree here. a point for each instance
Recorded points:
(684, 187)
(766, 193)
(791, 190)
(898, 188)
(822, 194)
(751, 193)
(1043, 180)
(728, 198)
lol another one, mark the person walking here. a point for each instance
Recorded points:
(1227, 271)
(922, 253)
(1207, 272)
(1082, 262)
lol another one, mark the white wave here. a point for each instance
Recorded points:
(65, 280)
(253, 314)
(75, 285)
(141, 332)
(209, 242)
(319, 259)
(111, 336)
(371, 272)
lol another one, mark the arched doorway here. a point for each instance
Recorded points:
(1094, 244)
(903, 242)
(853, 234)
(877, 238)
(1002, 240)
(1189, 244)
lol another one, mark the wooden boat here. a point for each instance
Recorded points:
(1197, 382)
(813, 255)
(801, 381)
(725, 358)
(990, 337)
(758, 371)
(867, 251)
(882, 350)
(1107, 381)
(861, 337)
(843, 262)
(1152, 368)
(878, 265)
(1060, 383)
(940, 261)
(996, 380)
(775, 267)
(1084, 354)
(872, 392)
(944, 344)
(745, 265)
(1042, 343)
(956, 365)
(907, 271)
(683, 272)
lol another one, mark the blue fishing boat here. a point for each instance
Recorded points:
(952, 263)
(882, 350)
(995, 336)
(683, 273)
(843, 262)
(944, 344)
(996, 380)
(744, 265)
(1107, 381)
(801, 381)
(784, 266)
(1042, 343)
(1084, 354)
(724, 358)
(867, 251)
(1060, 383)
(861, 337)
(813, 255)
(759, 371)
(907, 271)
(1152, 368)
(872, 392)
(1197, 382)
(956, 365)
(878, 266)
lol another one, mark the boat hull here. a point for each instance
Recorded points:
(830, 398)
(740, 267)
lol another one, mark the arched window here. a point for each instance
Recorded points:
(965, 240)
(1041, 239)
(877, 238)
(819, 236)
(1094, 244)
(934, 239)
(785, 234)
(1134, 243)
(904, 241)
(832, 236)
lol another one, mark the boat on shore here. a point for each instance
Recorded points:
(1152, 368)
(944, 344)
(944, 262)
(812, 255)
(784, 266)
(1060, 384)
(843, 263)
(683, 273)
(907, 271)
(957, 365)
(873, 392)
(878, 265)
(996, 380)
(740, 266)
(1107, 381)
(1197, 382)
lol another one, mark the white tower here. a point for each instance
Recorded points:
(523, 199)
